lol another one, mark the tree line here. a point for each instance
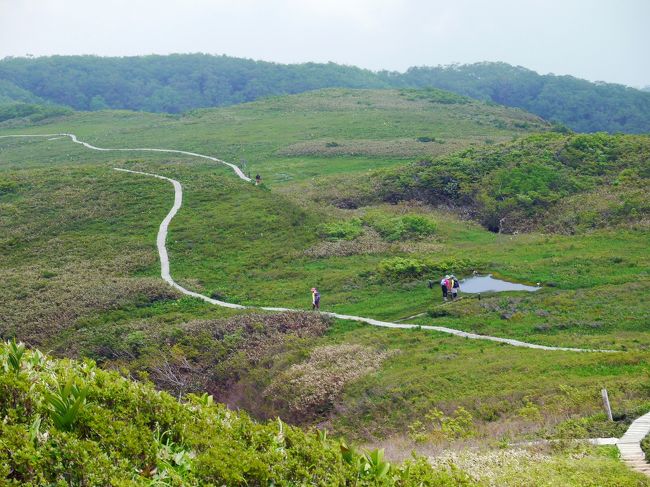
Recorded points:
(181, 82)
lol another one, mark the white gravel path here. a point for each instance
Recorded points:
(164, 258)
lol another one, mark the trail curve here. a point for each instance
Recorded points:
(166, 275)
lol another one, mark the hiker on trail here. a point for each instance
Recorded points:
(445, 289)
(315, 299)
(258, 180)
(455, 287)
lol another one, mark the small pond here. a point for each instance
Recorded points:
(484, 284)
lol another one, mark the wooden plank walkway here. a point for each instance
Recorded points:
(630, 445)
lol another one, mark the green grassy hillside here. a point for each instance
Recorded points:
(78, 255)
(559, 183)
(298, 137)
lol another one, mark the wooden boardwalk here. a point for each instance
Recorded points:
(630, 445)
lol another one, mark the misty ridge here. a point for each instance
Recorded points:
(182, 82)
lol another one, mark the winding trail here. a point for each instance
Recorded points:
(166, 275)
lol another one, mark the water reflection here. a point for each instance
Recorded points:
(484, 284)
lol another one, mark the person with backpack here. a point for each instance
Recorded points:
(315, 299)
(455, 287)
(258, 180)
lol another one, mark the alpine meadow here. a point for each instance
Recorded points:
(373, 188)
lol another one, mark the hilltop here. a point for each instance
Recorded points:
(319, 132)
(179, 83)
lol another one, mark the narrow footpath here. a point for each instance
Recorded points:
(629, 444)
(166, 275)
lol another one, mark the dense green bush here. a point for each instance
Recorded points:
(119, 432)
(341, 230)
(31, 112)
(397, 268)
(645, 446)
(400, 227)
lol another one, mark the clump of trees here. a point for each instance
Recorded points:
(581, 105)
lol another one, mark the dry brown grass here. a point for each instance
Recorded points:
(311, 387)
(401, 148)
(369, 242)
(261, 333)
(218, 355)
(36, 305)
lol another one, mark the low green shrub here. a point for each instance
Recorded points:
(7, 186)
(343, 230)
(399, 268)
(401, 227)
(438, 426)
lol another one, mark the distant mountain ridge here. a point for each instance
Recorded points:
(181, 82)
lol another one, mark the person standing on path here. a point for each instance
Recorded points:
(315, 299)
(443, 286)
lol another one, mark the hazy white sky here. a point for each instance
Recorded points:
(606, 40)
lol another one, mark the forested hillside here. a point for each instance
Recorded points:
(579, 104)
(173, 84)
(178, 83)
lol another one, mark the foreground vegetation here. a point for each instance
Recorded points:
(69, 423)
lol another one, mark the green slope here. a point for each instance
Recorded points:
(78, 256)
(301, 136)
(560, 183)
